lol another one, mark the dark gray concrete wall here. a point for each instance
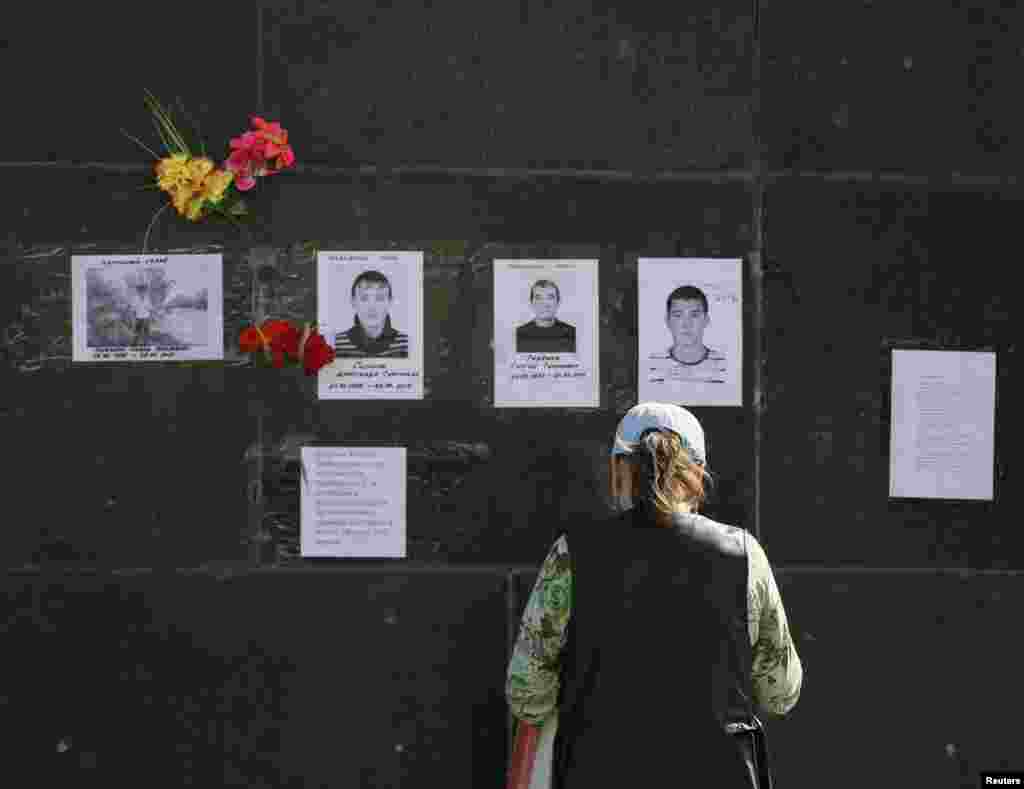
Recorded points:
(864, 156)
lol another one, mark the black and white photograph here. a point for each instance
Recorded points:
(545, 343)
(545, 332)
(370, 309)
(157, 307)
(690, 330)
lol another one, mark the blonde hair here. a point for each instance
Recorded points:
(661, 472)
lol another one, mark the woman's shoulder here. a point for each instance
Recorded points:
(742, 540)
(733, 539)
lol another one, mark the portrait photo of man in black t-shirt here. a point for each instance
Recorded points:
(545, 333)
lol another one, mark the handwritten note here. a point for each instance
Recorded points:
(943, 424)
(531, 366)
(372, 379)
(353, 502)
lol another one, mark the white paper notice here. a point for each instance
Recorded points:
(370, 308)
(353, 502)
(545, 337)
(943, 424)
(128, 308)
(690, 331)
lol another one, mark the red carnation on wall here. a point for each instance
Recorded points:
(316, 353)
(284, 344)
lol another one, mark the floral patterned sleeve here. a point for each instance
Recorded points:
(531, 687)
(776, 671)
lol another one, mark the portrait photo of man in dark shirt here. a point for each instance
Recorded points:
(545, 333)
(372, 334)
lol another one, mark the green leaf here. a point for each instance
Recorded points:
(197, 135)
(141, 144)
(166, 126)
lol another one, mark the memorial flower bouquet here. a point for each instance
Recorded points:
(281, 343)
(196, 186)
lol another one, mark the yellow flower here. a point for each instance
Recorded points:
(192, 183)
(172, 171)
(180, 197)
(215, 185)
(198, 169)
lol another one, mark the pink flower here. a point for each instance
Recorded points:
(271, 131)
(286, 158)
(275, 138)
(244, 182)
(257, 153)
(246, 160)
(247, 140)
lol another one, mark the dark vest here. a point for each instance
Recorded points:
(658, 656)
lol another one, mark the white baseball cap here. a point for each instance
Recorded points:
(659, 416)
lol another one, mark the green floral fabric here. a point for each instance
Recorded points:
(531, 687)
(776, 670)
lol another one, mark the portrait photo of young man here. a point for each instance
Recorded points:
(371, 334)
(687, 317)
(545, 333)
(690, 330)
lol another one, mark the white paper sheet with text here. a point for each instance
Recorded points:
(353, 502)
(370, 309)
(943, 424)
(687, 304)
(545, 334)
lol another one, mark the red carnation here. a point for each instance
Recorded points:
(272, 328)
(316, 353)
(286, 340)
(250, 341)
